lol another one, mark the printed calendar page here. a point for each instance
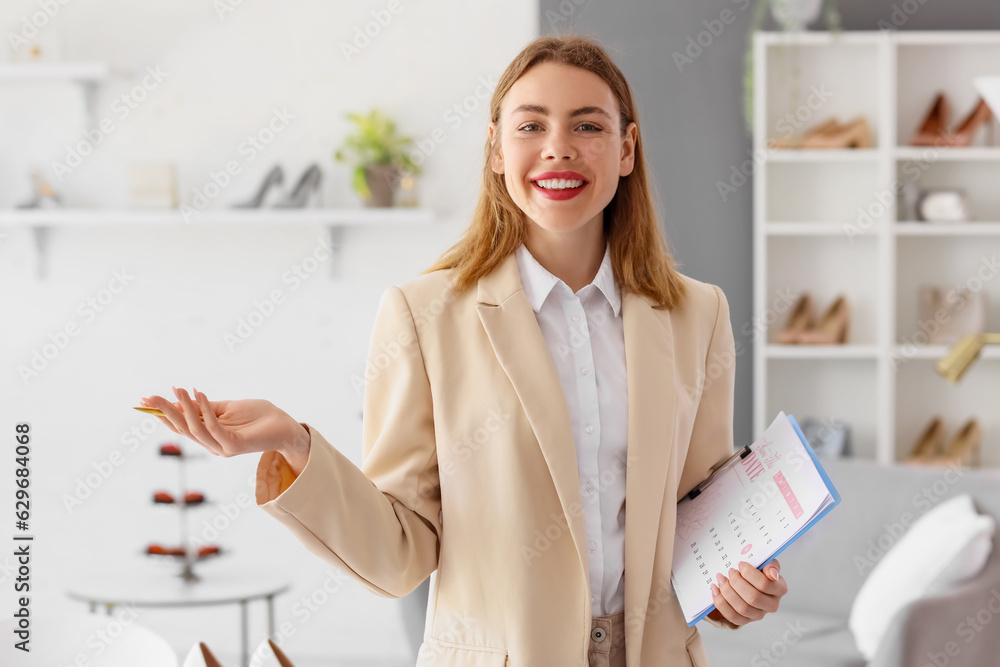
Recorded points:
(751, 509)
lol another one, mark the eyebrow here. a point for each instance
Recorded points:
(582, 111)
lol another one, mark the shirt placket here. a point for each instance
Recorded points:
(589, 430)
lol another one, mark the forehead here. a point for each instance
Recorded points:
(560, 88)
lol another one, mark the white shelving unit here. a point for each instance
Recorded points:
(828, 222)
(92, 74)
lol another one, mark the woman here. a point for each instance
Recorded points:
(550, 369)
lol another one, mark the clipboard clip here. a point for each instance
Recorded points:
(738, 455)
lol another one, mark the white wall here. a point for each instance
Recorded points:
(191, 284)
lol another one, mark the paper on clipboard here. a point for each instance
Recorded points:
(750, 509)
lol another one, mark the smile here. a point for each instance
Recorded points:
(559, 188)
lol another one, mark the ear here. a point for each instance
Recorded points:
(496, 164)
(627, 162)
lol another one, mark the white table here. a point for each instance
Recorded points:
(219, 586)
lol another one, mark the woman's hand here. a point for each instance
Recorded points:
(747, 593)
(235, 427)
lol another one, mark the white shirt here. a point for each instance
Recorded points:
(586, 338)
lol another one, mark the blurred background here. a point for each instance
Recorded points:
(181, 205)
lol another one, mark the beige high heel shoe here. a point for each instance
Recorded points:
(800, 320)
(964, 448)
(928, 444)
(833, 326)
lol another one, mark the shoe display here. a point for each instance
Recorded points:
(305, 190)
(800, 320)
(200, 656)
(964, 448)
(832, 327)
(267, 654)
(170, 449)
(928, 444)
(194, 498)
(933, 130)
(829, 134)
(274, 178)
(163, 497)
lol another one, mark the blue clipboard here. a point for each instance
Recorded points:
(743, 453)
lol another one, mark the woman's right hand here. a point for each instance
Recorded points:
(235, 427)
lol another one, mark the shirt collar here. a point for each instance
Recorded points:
(538, 281)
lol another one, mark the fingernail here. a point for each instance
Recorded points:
(715, 589)
(774, 574)
(720, 578)
(732, 571)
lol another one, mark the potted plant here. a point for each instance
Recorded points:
(379, 155)
(791, 16)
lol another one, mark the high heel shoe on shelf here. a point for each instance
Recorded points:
(268, 654)
(800, 320)
(933, 129)
(964, 449)
(831, 329)
(856, 133)
(928, 444)
(267, 190)
(305, 191)
(200, 656)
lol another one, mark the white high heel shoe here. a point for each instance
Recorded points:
(267, 654)
(200, 656)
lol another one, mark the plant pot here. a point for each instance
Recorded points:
(382, 181)
(794, 15)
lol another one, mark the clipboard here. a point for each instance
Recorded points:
(738, 455)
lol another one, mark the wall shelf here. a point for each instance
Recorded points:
(42, 221)
(830, 222)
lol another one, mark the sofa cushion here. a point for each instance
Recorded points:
(788, 636)
(948, 544)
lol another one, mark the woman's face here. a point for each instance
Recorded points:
(560, 126)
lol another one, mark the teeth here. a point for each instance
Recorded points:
(559, 184)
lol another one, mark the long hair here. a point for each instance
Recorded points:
(640, 257)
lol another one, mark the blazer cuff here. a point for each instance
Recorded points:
(275, 476)
(723, 624)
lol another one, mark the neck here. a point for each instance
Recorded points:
(573, 257)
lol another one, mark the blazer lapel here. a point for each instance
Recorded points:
(520, 348)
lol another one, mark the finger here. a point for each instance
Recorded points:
(751, 594)
(736, 601)
(218, 431)
(726, 609)
(192, 415)
(761, 581)
(161, 404)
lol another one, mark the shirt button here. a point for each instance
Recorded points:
(589, 428)
(585, 370)
(593, 546)
(598, 635)
(576, 318)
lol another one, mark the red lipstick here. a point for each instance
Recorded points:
(559, 195)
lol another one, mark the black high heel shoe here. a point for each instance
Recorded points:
(274, 178)
(304, 191)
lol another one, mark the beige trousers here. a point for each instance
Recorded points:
(607, 641)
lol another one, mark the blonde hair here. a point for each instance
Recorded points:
(639, 254)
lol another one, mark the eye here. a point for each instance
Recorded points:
(523, 128)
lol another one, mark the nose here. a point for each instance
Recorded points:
(559, 144)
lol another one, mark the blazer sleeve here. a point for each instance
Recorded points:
(380, 523)
(712, 432)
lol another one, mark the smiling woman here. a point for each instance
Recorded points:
(550, 369)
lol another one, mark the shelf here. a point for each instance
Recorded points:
(947, 229)
(333, 216)
(819, 352)
(935, 352)
(821, 155)
(92, 72)
(805, 228)
(41, 221)
(935, 153)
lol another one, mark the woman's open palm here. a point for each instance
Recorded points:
(230, 427)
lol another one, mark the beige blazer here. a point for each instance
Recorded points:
(469, 468)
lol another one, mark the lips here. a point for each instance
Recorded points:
(559, 195)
